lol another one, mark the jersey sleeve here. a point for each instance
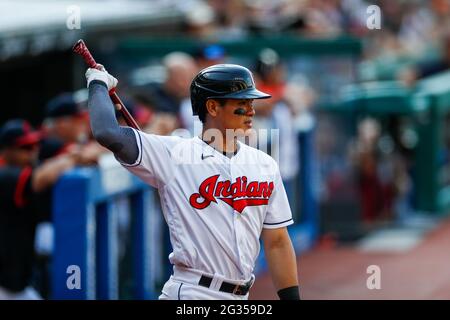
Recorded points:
(154, 163)
(278, 213)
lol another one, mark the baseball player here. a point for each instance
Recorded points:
(218, 195)
(21, 184)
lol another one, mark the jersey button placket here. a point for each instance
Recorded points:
(238, 227)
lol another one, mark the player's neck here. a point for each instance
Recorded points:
(219, 140)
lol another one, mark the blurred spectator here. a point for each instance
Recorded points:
(271, 73)
(144, 106)
(20, 184)
(418, 27)
(275, 113)
(375, 193)
(230, 19)
(261, 16)
(169, 98)
(180, 69)
(324, 18)
(409, 75)
(400, 158)
(66, 127)
(200, 21)
(208, 55)
(407, 26)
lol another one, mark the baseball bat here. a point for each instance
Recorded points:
(81, 49)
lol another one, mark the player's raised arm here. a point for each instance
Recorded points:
(105, 128)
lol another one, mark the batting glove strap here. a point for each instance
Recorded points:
(290, 293)
(101, 75)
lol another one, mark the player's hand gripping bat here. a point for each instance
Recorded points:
(81, 49)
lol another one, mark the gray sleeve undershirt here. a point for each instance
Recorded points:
(105, 128)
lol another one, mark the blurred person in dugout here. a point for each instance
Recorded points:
(65, 131)
(285, 111)
(169, 98)
(21, 183)
(66, 126)
(143, 109)
(365, 155)
(383, 179)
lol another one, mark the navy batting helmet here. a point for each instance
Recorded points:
(226, 81)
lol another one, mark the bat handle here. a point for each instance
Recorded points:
(81, 49)
(125, 113)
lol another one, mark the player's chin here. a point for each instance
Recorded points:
(241, 129)
(248, 124)
(248, 128)
(244, 131)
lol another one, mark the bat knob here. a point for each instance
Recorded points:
(79, 46)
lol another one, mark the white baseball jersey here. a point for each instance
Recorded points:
(215, 206)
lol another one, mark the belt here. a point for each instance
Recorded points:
(238, 289)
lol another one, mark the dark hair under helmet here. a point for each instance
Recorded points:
(227, 81)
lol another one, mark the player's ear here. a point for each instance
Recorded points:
(212, 107)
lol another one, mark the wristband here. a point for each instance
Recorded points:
(100, 82)
(290, 293)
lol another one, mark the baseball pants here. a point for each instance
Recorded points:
(183, 285)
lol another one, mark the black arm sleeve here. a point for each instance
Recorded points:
(105, 128)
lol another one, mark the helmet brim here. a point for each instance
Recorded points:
(251, 93)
